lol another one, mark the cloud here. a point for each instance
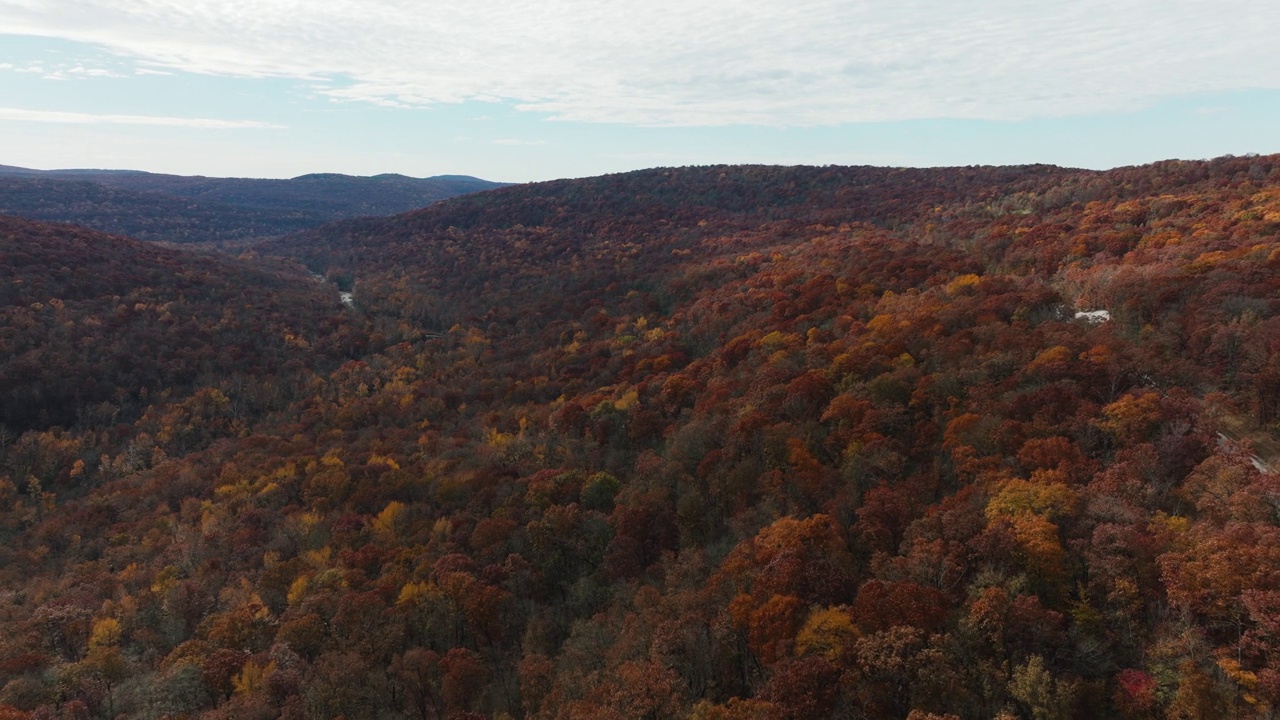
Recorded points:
(713, 62)
(81, 71)
(75, 118)
(63, 71)
(78, 72)
(519, 142)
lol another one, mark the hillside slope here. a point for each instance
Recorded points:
(93, 323)
(726, 442)
(141, 215)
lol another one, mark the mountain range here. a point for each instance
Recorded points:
(176, 208)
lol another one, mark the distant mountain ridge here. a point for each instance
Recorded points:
(178, 208)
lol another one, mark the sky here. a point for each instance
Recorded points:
(518, 90)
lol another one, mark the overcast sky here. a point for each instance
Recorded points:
(518, 90)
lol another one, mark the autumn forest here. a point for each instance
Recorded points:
(734, 442)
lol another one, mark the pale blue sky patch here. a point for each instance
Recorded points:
(522, 90)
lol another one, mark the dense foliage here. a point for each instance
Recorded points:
(91, 324)
(730, 442)
(182, 209)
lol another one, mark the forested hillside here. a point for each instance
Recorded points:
(726, 442)
(184, 209)
(93, 323)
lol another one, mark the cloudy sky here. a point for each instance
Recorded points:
(525, 90)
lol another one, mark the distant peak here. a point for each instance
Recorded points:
(323, 176)
(457, 178)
